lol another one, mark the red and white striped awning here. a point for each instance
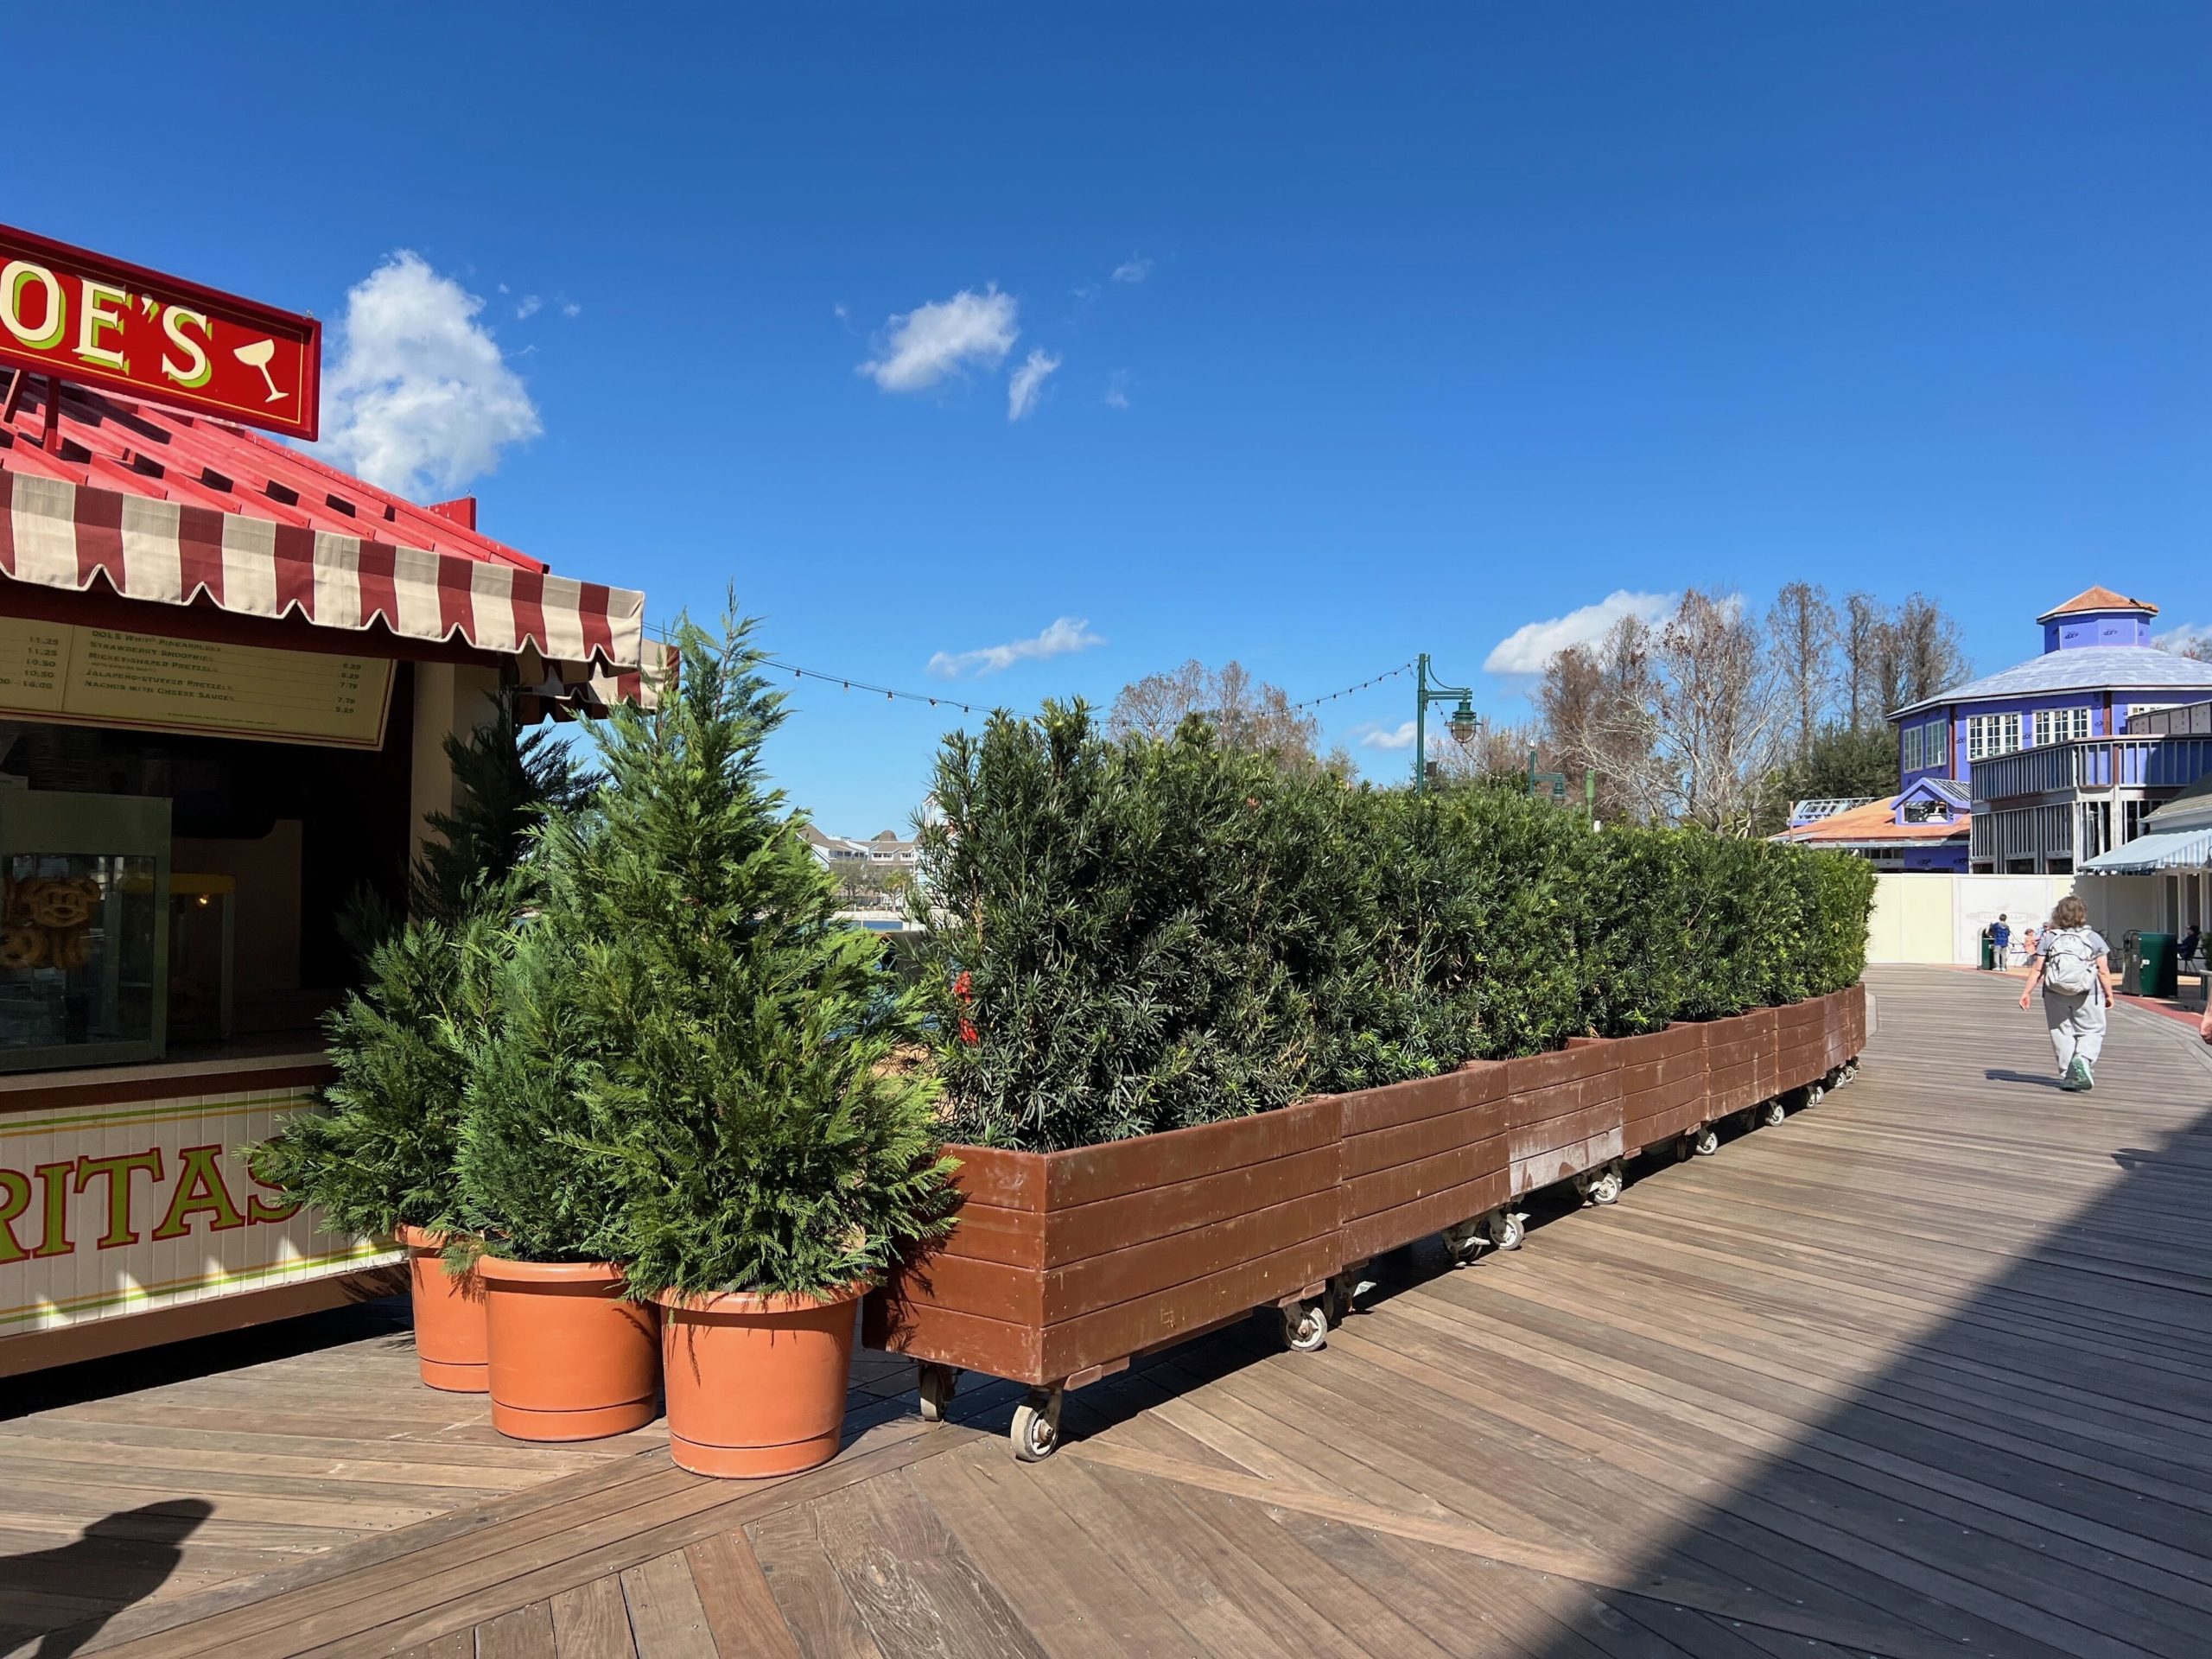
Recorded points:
(63, 535)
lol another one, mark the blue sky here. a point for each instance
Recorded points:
(1451, 319)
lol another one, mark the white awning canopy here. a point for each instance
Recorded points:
(2176, 849)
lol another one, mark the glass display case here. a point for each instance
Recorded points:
(84, 929)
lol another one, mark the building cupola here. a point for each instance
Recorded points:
(2097, 616)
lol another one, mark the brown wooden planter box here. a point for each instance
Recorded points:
(1740, 1062)
(1422, 1156)
(1855, 1020)
(1564, 1113)
(1802, 1042)
(1061, 1262)
(1662, 1084)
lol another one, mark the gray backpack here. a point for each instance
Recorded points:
(2069, 962)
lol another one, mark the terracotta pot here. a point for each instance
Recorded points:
(570, 1360)
(449, 1339)
(756, 1384)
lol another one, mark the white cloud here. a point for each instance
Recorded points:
(840, 311)
(570, 308)
(931, 341)
(1027, 381)
(1387, 737)
(1133, 270)
(528, 306)
(1530, 647)
(421, 401)
(2188, 636)
(1117, 388)
(1066, 634)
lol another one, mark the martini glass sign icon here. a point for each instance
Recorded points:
(257, 356)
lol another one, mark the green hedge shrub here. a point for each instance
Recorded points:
(1134, 936)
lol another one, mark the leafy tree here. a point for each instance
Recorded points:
(699, 1087)
(507, 780)
(1842, 764)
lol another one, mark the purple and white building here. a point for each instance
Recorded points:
(2044, 747)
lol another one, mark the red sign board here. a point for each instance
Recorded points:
(97, 322)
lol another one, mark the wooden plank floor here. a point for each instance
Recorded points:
(1927, 1369)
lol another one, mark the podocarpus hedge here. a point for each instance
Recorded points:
(1136, 936)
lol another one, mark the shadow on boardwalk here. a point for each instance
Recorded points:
(2033, 1475)
(117, 1562)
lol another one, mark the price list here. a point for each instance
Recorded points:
(106, 677)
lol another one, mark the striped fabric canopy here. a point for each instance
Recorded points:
(64, 535)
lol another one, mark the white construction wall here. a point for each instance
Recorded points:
(1939, 919)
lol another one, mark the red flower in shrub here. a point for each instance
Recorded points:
(959, 986)
(968, 1032)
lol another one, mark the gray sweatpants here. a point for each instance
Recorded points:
(2077, 1025)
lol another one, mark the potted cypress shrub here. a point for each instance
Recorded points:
(706, 1051)
(776, 1159)
(377, 1159)
(572, 1356)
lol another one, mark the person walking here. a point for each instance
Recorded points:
(2074, 972)
(2000, 935)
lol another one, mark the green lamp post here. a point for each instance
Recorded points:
(1464, 722)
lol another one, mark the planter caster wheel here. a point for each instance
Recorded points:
(937, 1383)
(1604, 1186)
(1507, 1229)
(1774, 1113)
(1815, 1093)
(1341, 1299)
(1699, 1143)
(1466, 1240)
(1306, 1326)
(1036, 1431)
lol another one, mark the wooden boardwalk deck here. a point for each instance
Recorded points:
(1925, 1370)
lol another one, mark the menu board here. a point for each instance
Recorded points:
(99, 676)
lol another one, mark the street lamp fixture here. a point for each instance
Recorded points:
(1464, 722)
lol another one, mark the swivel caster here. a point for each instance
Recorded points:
(1774, 1113)
(1699, 1143)
(1508, 1228)
(1036, 1431)
(937, 1383)
(1306, 1326)
(1815, 1093)
(1465, 1240)
(1602, 1186)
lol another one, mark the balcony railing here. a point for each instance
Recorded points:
(2092, 763)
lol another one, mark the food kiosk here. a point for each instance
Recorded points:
(227, 674)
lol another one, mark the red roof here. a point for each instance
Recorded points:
(143, 449)
(1876, 821)
(2098, 599)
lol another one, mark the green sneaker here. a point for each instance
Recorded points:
(2089, 1076)
(2077, 1076)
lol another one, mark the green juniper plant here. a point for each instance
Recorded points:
(696, 1075)
(380, 1151)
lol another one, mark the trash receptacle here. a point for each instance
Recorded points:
(1988, 953)
(2156, 973)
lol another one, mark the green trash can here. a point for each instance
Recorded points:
(1988, 953)
(2157, 950)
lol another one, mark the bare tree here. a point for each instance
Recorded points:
(1246, 712)
(1803, 629)
(1865, 626)
(1917, 654)
(1588, 709)
(2184, 642)
(1684, 720)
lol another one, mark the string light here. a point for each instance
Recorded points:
(891, 694)
(1331, 697)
